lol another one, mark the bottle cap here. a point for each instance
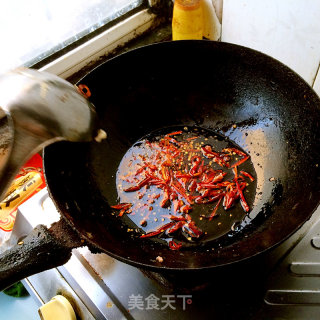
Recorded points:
(187, 4)
(58, 308)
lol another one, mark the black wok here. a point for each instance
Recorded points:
(252, 99)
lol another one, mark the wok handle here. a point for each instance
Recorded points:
(42, 249)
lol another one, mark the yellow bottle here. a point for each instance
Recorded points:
(187, 20)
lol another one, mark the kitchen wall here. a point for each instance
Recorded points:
(288, 30)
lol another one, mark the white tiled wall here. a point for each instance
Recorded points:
(288, 30)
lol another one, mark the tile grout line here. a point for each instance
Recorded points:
(221, 20)
(316, 75)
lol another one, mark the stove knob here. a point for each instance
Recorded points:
(316, 242)
(57, 308)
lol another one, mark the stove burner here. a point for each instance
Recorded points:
(282, 284)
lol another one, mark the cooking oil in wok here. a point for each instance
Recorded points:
(157, 172)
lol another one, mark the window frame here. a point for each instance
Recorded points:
(82, 37)
(101, 44)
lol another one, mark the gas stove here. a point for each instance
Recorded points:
(281, 284)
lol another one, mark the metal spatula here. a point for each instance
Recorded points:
(38, 108)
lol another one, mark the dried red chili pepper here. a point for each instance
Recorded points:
(145, 166)
(177, 204)
(234, 150)
(174, 246)
(139, 185)
(166, 176)
(165, 200)
(183, 175)
(186, 208)
(239, 153)
(230, 197)
(123, 207)
(243, 201)
(240, 162)
(84, 90)
(209, 199)
(192, 186)
(191, 138)
(192, 229)
(246, 174)
(179, 188)
(173, 195)
(173, 133)
(178, 168)
(216, 157)
(177, 218)
(214, 211)
(196, 163)
(176, 227)
(158, 231)
(219, 177)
